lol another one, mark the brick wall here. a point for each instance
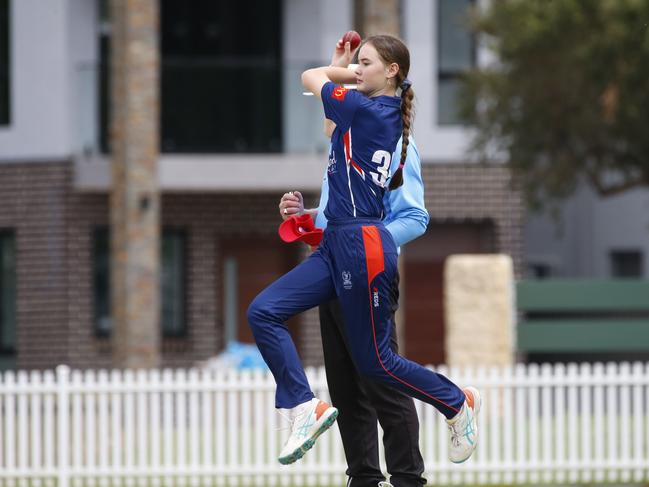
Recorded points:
(32, 203)
(206, 219)
(462, 192)
(54, 226)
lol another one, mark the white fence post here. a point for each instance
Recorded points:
(62, 412)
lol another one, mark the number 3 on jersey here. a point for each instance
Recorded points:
(382, 158)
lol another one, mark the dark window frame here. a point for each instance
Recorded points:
(101, 237)
(615, 266)
(248, 135)
(5, 62)
(102, 333)
(4, 348)
(450, 74)
(184, 301)
(540, 270)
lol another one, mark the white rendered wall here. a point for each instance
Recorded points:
(50, 42)
(621, 223)
(39, 128)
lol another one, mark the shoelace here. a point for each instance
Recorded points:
(455, 435)
(457, 429)
(292, 421)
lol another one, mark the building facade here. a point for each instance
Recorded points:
(591, 237)
(236, 133)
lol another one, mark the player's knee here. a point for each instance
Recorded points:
(259, 313)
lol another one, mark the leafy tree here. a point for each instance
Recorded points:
(568, 95)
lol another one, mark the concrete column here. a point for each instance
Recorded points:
(374, 17)
(479, 310)
(135, 202)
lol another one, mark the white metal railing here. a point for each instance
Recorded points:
(560, 424)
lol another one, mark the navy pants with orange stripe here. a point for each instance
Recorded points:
(356, 261)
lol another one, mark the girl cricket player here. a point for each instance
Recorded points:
(360, 402)
(357, 258)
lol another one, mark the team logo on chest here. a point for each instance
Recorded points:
(347, 279)
(331, 165)
(375, 297)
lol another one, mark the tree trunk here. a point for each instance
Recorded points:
(135, 202)
(374, 17)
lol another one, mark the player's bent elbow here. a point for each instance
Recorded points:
(313, 79)
(421, 227)
(307, 77)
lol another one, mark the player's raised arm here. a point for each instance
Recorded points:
(315, 78)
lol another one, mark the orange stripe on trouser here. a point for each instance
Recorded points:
(375, 263)
(373, 253)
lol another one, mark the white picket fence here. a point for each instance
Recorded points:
(551, 424)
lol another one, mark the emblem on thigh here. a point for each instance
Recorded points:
(347, 279)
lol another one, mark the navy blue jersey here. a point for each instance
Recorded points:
(366, 134)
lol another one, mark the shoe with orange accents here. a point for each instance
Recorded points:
(309, 420)
(463, 427)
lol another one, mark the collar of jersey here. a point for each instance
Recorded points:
(394, 101)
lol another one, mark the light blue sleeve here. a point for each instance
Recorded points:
(320, 219)
(406, 217)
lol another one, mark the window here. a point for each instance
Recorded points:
(104, 74)
(540, 270)
(5, 63)
(456, 53)
(626, 263)
(220, 76)
(101, 281)
(7, 293)
(172, 282)
(230, 299)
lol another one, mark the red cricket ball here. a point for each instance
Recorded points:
(353, 37)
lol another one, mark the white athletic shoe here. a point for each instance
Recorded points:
(463, 427)
(309, 420)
